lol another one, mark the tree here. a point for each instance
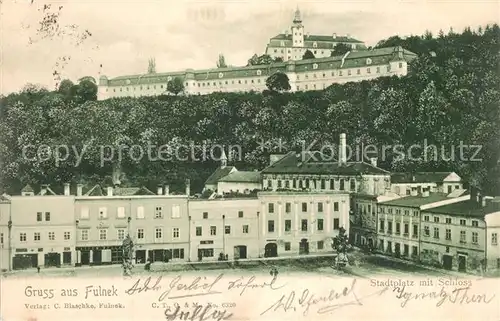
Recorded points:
(264, 59)
(65, 87)
(152, 66)
(278, 82)
(340, 49)
(308, 55)
(221, 62)
(86, 90)
(175, 86)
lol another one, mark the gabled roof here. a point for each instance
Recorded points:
(468, 208)
(218, 174)
(95, 191)
(49, 191)
(314, 163)
(242, 177)
(419, 177)
(28, 189)
(417, 201)
(283, 36)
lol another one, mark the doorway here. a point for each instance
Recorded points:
(303, 247)
(462, 263)
(397, 250)
(97, 257)
(52, 259)
(447, 262)
(85, 257)
(140, 256)
(271, 250)
(240, 252)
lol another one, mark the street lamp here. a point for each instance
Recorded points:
(9, 225)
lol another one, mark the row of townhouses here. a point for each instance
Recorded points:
(294, 206)
(311, 74)
(88, 228)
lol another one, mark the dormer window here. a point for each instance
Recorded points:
(315, 44)
(169, 78)
(282, 43)
(221, 75)
(315, 66)
(259, 72)
(368, 61)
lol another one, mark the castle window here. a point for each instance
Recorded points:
(239, 81)
(275, 50)
(358, 71)
(226, 82)
(368, 61)
(378, 70)
(315, 44)
(282, 43)
(221, 75)
(340, 72)
(349, 72)
(315, 66)
(259, 72)
(368, 70)
(333, 73)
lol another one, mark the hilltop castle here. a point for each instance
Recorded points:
(304, 75)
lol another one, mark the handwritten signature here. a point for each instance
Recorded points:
(199, 312)
(307, 299)
(457, 295)
(250, 283)
(200, 286)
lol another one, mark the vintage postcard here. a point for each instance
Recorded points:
(249, 160)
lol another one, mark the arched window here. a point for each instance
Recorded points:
(368, 61)
(315, 66)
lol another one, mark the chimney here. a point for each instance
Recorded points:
(188, 187)
(160, 190)
(342, 150)
(166, 190)
(483, 202)
(43, 190)
(286, 33)
(414, 191)
(79, 189)
(110, 190)
(334, 36)
(373, 161)
(66, 189)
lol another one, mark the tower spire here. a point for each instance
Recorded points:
(297, 18)
(223, 159)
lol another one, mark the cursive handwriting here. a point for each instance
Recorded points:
(306, 299)
(197, 286)
(244, 284)
(457, 295)
(139, 287)
(199, 312)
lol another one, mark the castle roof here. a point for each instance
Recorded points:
(213, 76)
(319, 164)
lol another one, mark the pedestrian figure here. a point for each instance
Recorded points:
(38, 269)
(274, 272)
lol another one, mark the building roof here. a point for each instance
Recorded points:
(417, 201)
(129, 191)
(317, 163)
(218, 174)
(322, 38)
(213, 76)
(28, 189)
(419, 177)
(242, 177)
(468, 208)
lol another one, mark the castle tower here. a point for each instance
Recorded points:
(297, 30)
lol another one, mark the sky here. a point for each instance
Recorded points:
(181, 34)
